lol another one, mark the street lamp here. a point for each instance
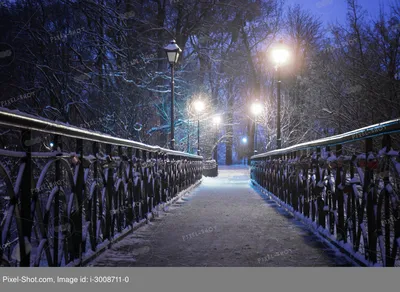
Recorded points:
(217, 121)
(173, 52)
(256, 109)
(199, 106)
(280, 55)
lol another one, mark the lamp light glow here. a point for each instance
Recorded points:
(280, 54)
(199, 106)
(217, 120)
(256, 108)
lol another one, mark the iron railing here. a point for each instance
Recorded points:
(66, 191)
(347, 186)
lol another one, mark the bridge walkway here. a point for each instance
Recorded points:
(224, 222)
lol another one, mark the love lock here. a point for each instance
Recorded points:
(373, 164)
(333, 165)
(361, 163)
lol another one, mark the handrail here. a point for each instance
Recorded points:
(380, 129)
(18, 119)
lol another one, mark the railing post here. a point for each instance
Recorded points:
(275, 182)
(313, 189)
(338, 195)
(330, 197)
(109, 232)
(137, 187)
(287, 179)
(164, 177)
(272, 174)
(131, 203)
(95, 197)
(353, 207)
(389, 260)
(308, 190)
(145, 208)
(25, 219)
(119, 199)
(173, 175)
(368, 190)
(158, 177)
(300, 183)
(151, 173)
(78, 241)
(291, 178)
(295, 195)
(57, 143)
(279, 176)
(320, 202)
(282, 181)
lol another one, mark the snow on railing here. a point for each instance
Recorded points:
(388, 127)
(350, 196)
(66, 192)
(25, 121)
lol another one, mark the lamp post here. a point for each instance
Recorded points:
(217, 122)
(280, 55)
(199, 107)
(173, 52)
(256, 109)
(244, 142)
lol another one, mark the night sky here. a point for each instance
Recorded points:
(331, 11)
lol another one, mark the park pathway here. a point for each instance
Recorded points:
(223, 222)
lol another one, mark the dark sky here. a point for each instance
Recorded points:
(335, 10)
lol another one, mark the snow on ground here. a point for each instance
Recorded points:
(223, 222)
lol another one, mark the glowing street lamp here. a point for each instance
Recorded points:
(256, 108)
(217, 120)
(199, 107)
(244, 140)
(280, 56)
(173, 52)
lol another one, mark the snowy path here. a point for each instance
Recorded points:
(223, 222)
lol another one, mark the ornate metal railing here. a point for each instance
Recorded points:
(347, 186)
(66, 191)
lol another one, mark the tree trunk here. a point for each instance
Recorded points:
(229, 127)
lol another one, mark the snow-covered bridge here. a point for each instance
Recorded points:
(344, 188)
